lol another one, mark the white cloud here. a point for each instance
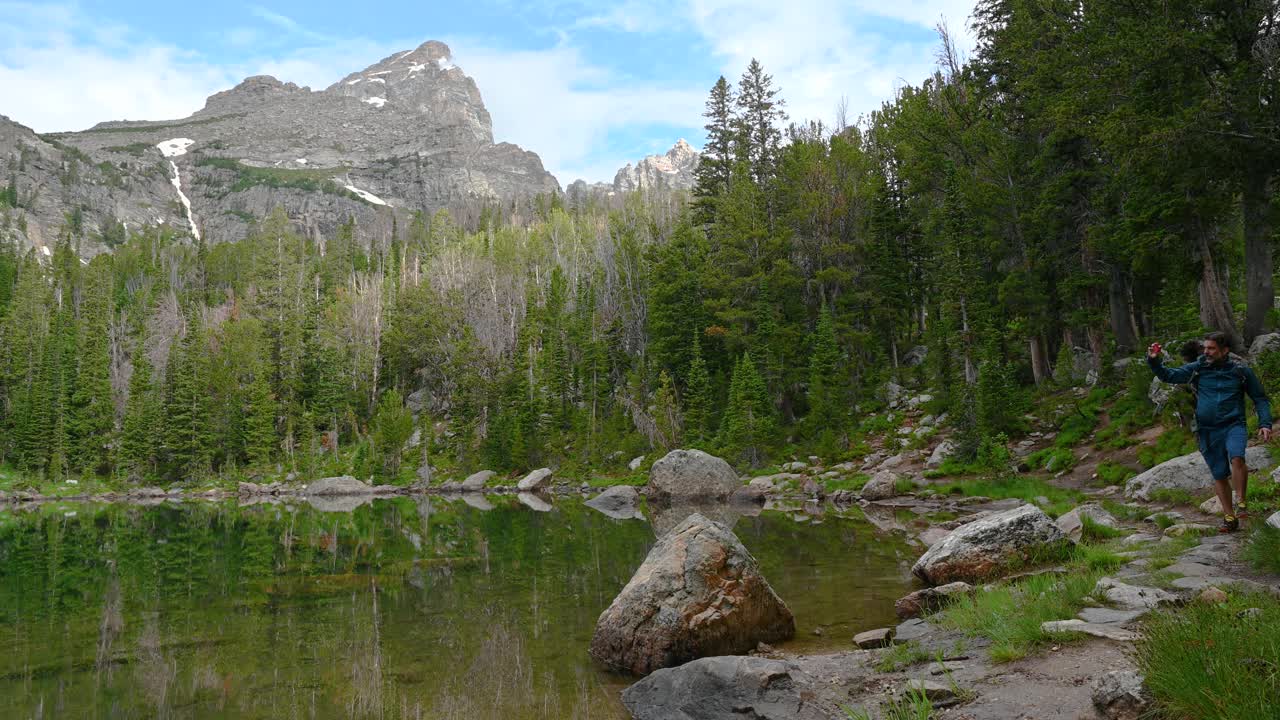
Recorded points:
(557, 104)
(818, 50)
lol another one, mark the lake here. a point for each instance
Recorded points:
(409, 607)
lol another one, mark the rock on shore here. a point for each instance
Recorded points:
(986, 548)
(698, 593)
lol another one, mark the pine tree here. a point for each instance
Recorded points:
(716, 161)
(392, 426)
(188, 442)
(92, 411)
(697, 396)
(758, 122)
(748, 421)
(825, 387)
(259, 425)
(141, 427)
(666, 413)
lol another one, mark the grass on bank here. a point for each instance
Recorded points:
(1022, 487)
(1214, 661)
(1263, 549)
(1010, 615)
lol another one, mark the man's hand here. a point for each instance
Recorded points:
(1154, 350)
(1265, 434)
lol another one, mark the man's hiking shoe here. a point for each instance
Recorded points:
(1242, 512)
(1229, 525)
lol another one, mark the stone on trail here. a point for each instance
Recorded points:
(1274, 520)
(911, 630)
(1181, 529)
(539, 479)
(342, 485)
(1212, 595)
(1121, 695)
(1131, 597)
(1072, 523)
(691, 473)
(726, 688)
(1110, 616)
(880, 486)
(1108, 632)
(989, 547)
(698, 593)
(1212, 506)
(878, 638)
(475, 482)
(618, 502)
(928, 600)
(931, 689)
(635, 463)
(1188, 473)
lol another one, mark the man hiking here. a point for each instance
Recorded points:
(1220, 384)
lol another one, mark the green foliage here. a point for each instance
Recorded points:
(748, 422)
(247, 176)
(1263, 548)
(1113, 473)
(1022, 487)
(901, 655)
(392, 426)
(1214, 661)
(1172, 443)
(1052, 459)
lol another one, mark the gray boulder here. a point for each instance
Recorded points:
(1187, 473)
(940, 454)
(927, 600)
(915, 355)
(1269, 342)
(476, 481)
(618, 502)
(880, 486)
(1159, 393)
(635, 463)
(539, 479)
(991, 546)
(342, 485)
(727, 688)
(698, 593)
(1121, 695)
(1072, 523)
(1131, 597)
(1274, 520)
(692, 474)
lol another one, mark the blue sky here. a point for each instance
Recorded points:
(589, 86)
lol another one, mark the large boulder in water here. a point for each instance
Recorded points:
(698, 593)
(1188, 473)
(727, 688)
(987, 548)
(691, 474)
(618, 502)
(342, 485)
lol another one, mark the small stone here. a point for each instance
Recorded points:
(1212, 595)
(1108, 632)
(878, 638)
(1110, 616)
(1121, 695)
(931, 689)
(1212, 506)
(1274, 520)
(764, 648)
(1171, 514)
(911, 630)
(1131, 597)
(818, 631)
(930, 600)
(945, 667)
(1249, 613)
(1181, 529)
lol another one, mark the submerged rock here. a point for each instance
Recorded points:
(987, 548)
(618, 502)
(691, 474)
(726, 688)
(698, 593)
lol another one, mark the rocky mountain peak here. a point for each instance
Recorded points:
(673, 170)
(251, 92)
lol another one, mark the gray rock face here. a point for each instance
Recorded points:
(1269, 342)
(880, 486)
(408, 133)
(1131, 597)
(698, 593)
(1274, 520)
(477, 480)
(1107, 632)
(1121, 695)
(726, 688)
(993, 545)
(673, 170)
(1186, 473)
(1072, 523)
(618, 502)
(343, 485)
(691, 474)
(539, 479)
(940, 454)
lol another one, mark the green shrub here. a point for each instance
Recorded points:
(1263, 549)
(1093, 531)
(1113, 473)
(1010, 616)
(1214, 661)
(1173, 443)
(1173, 496)
(1052, 459)
(897, 657)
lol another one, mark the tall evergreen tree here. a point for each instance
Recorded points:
(142, 422)
(758, 122)
(716, 161)
(697, 397)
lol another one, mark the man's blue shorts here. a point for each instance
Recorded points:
(1219, 445)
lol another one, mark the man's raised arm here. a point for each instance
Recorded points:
(1180, 374)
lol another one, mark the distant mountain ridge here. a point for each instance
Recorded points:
(674, 170)
(408, 133)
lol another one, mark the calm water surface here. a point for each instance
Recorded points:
(403, 608)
